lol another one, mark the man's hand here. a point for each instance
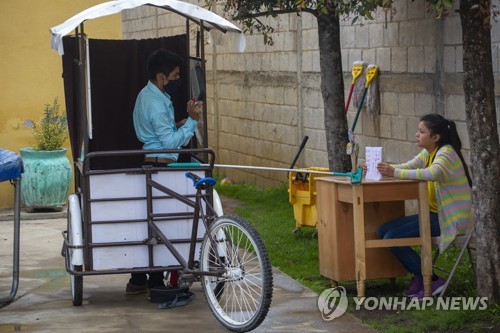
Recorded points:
(180, 123)
(385, 169)
(194, 109)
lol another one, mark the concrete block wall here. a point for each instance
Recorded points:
(253, 100)
(420, 62)
(262, 102)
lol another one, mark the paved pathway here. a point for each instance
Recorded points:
(43, 301)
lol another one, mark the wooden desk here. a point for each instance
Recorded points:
(348, 217)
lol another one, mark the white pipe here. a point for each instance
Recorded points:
(268, 168)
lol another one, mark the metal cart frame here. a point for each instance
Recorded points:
(136, 218)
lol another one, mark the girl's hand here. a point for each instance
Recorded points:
(364, 170)
(385, 169)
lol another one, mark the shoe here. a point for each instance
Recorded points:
(154, 289)
(416, 285)
(135, 289)
(166, 293)
(437, 287)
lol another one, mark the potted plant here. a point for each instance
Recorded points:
(47, 176)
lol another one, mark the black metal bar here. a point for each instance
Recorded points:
(203, 68)
(157, 217)
(192, 152)
(169, 245)
(164, 197)
(194, 229)
(16, 240)
(176, 195)
(301, 147)
(143, 242)
(149, 209)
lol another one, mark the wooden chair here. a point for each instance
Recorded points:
(465, 242)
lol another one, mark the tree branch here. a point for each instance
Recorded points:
(277, 12)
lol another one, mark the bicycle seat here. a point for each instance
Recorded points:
(199, 182)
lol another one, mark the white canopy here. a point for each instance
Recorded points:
(188, 10)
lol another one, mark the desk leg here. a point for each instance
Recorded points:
(359, 238)
(425, 235)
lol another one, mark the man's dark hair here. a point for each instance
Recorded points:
(162, 61)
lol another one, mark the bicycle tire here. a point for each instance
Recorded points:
(240, 299)
(75, 282)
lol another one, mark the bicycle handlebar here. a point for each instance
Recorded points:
(199, 182)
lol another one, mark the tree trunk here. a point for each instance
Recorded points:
(484, 142)
(332, 89)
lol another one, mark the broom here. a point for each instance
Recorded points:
(357, 69)
(371, 72)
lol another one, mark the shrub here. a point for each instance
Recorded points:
(53, 128)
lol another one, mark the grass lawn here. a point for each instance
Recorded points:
(296, 254)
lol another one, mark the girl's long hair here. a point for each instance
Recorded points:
(447, 130)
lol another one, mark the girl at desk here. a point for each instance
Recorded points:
(442, 165)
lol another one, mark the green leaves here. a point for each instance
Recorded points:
(248, 11)
(53, 128)
(441, 6)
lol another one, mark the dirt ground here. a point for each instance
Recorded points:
(229, 204)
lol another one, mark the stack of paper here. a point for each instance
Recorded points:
(373, 157)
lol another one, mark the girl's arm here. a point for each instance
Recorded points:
(419, 161)
(437, 171)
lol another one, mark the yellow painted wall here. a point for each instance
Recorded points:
(30, 70)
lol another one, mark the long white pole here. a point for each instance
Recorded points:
(268, 168)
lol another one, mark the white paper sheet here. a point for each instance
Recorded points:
(373, 157)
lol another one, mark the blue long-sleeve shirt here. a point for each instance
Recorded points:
(154, 122)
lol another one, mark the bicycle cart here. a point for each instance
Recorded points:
(128, 218)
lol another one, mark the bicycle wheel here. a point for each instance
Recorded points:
(76, 282)
(241, 297)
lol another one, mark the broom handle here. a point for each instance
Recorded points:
(349, 98)
(301, 147)
(359, 110)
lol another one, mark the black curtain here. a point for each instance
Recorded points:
(118, 72)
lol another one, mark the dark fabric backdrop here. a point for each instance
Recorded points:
(118, 72)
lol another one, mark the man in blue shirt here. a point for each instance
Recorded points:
(155, 126)
(154, 120)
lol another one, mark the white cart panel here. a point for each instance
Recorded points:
(132, 189)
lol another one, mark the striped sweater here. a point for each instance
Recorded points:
(453, 194)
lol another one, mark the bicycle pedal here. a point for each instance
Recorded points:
(185, 280)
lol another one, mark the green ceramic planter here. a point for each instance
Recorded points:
(46, 179)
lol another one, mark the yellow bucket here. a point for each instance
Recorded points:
(302, 195)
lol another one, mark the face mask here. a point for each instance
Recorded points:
(173, 86)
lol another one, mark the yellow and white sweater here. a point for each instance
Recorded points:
(453, 193)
